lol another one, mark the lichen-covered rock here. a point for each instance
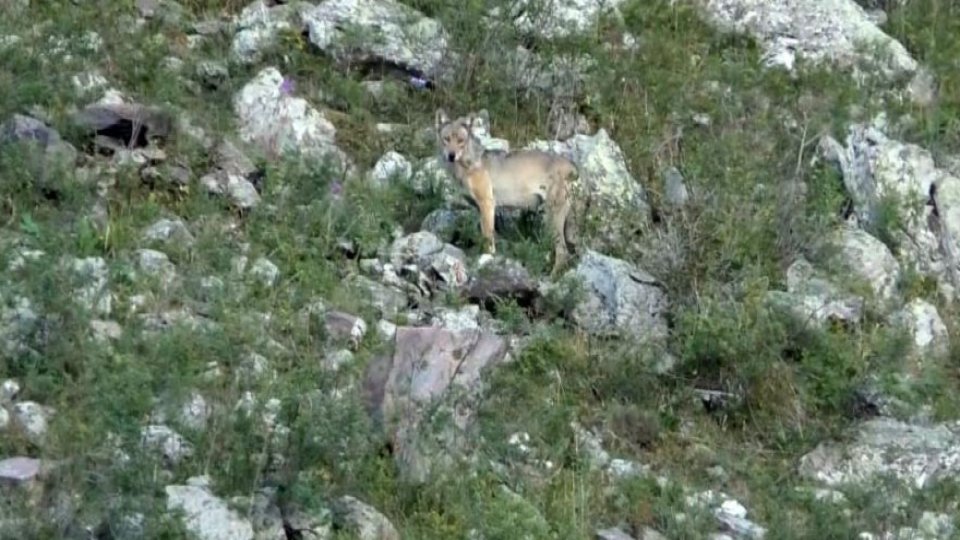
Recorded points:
(363, 520)
(205, 515)
(621, 299)
(277, 122)
(917, 455)
(259, 25)
(393, 34)
(813, 300)
(816, 30)
(928, 334)
(561, 18)
(868, 259)
(878, 171)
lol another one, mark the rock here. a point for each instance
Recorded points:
(429, 263)
(94, 294)
(556, 76)
(816, 30)
(172, 447)
(923, 88)
(238, 190)
(395, 34)
(502, 279)
(337, 359)
(928, 333)
(345, 327)
(812, 300)
(104, 331)
(729, 512)
(456, 320)
(442, 222)
(607, 184)
(265, 271)
(18, 322)
(612, 534)
(195, 413)
(388, 301)
(363, 520)
(674, 190)
(259, 24)
(206, 516)
(9, 390)
(391, 166)
(916, 455)
(878, 171)
(562, 18)
(232, 160)
(414, 248)
(169, 231)
(156, 264)
(404, 388)
(621, 299)
(129, 125)
(212, 73)
(32, 419)
(932, 525)
(18, 470)
(868, 259)
(280, 123)
(89, 82)
(56, 156)
(316, 524)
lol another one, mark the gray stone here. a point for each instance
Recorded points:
(813, 300)
(392, 32)
(279, 123)
(19, 470)
(817, 30)
(32, 419)
(265, 271)
(237, 189)
(363, 520)
(916, 455)
(170, 445)
(621, 299)
(206, 516)
(169, 231)
(392, 166)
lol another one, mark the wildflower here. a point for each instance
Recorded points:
(287, 86)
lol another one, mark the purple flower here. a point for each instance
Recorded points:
(287, 86)
(336, 189)
(419, 82)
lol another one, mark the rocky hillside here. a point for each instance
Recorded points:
(241, 300)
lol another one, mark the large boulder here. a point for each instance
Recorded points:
(620, 300)
(881, 174)
(379, 31)
(916, 455)
(424, 393)
(816, 30)
(206, 516)
(277, 122)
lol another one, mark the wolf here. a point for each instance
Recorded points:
(517, 179)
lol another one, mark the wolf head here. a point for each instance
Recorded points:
(455, 137)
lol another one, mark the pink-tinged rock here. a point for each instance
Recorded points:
(18, 470)
(426, 366)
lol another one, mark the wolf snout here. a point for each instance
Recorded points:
(451, 157)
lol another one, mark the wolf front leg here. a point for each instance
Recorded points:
(481, 189)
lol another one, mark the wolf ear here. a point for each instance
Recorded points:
(440, 118)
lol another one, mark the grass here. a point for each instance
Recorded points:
(727, 249)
